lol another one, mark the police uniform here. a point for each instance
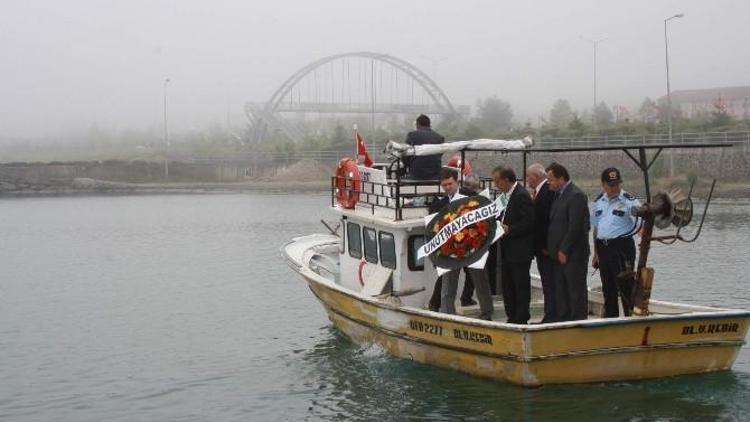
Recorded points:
(615, 227)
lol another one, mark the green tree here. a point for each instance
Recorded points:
(495, 115)
(338, 138)
(561, 113)
(576, 125)
(720, 115)
(648, 112)
(603, 115)
(472, 131)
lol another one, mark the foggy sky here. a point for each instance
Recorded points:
(68, 65)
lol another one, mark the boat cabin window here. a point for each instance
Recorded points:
(415, 242)
(387, 250)
(354, 239)
(371, 245)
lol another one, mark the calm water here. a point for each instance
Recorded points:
(180, 308)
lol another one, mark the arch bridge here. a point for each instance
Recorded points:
(358, 83)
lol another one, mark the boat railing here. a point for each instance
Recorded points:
(394, 195)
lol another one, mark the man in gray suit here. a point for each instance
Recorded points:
(568, 244)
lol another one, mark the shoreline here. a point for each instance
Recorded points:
(91, 187)
(104, 188)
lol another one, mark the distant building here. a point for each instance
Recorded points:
(735, 100)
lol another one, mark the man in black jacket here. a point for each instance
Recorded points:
(426, 167)
(449, 284)
(568, 244)
(516, 245)
(542, 197)
(468, 189)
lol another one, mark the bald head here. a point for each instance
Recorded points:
(535, 175)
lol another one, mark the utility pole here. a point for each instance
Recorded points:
(372, 97)
(669, 92)
(229, 123)
(166, 134)
(594, 42)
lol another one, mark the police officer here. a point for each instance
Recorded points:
(614, 248)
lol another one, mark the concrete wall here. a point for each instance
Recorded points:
(731, 164)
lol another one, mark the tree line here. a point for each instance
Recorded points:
(494, 118)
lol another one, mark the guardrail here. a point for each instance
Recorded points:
(739, 139)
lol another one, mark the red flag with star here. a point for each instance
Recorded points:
(362, 149)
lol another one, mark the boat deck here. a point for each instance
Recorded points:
(596, 307)
(536, 310)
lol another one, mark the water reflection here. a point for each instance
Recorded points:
(345, 381)
(164, 308)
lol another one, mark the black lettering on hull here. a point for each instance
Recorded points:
(425, 327)
(472, 336)
(732, 327)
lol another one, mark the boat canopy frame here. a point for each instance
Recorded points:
(641, 160)
(396, 196)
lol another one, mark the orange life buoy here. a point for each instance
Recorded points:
(348, 183)
(455, 161)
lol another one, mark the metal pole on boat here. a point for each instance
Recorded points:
(461, 170)
(398, 189)
(643, 164)
(356, 144)
(669, 92)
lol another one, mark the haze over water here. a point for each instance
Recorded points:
(181, 308)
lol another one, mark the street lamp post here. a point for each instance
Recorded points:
(595, 42)
(669, 92)
(166, 133)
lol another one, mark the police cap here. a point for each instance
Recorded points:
(611, 176)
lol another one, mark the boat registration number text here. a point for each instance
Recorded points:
(436, 329)
(425, 327)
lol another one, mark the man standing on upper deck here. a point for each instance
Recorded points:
(516, 245)
(542, 197)
(568, 244)
(425, 167)
(614, 248)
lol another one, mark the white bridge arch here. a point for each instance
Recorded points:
(350, 83)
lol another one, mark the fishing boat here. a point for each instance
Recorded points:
(369, 278)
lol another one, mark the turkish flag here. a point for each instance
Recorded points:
(362, 149)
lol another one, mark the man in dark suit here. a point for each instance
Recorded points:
(542, 197)
(516, 245)
(449, 284)
(426, 167)
(568, 245)
(471, 183)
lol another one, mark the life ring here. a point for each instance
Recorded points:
(359, 272)
(348, 183)
(455, 161)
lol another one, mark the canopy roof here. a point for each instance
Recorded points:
(396, 149)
